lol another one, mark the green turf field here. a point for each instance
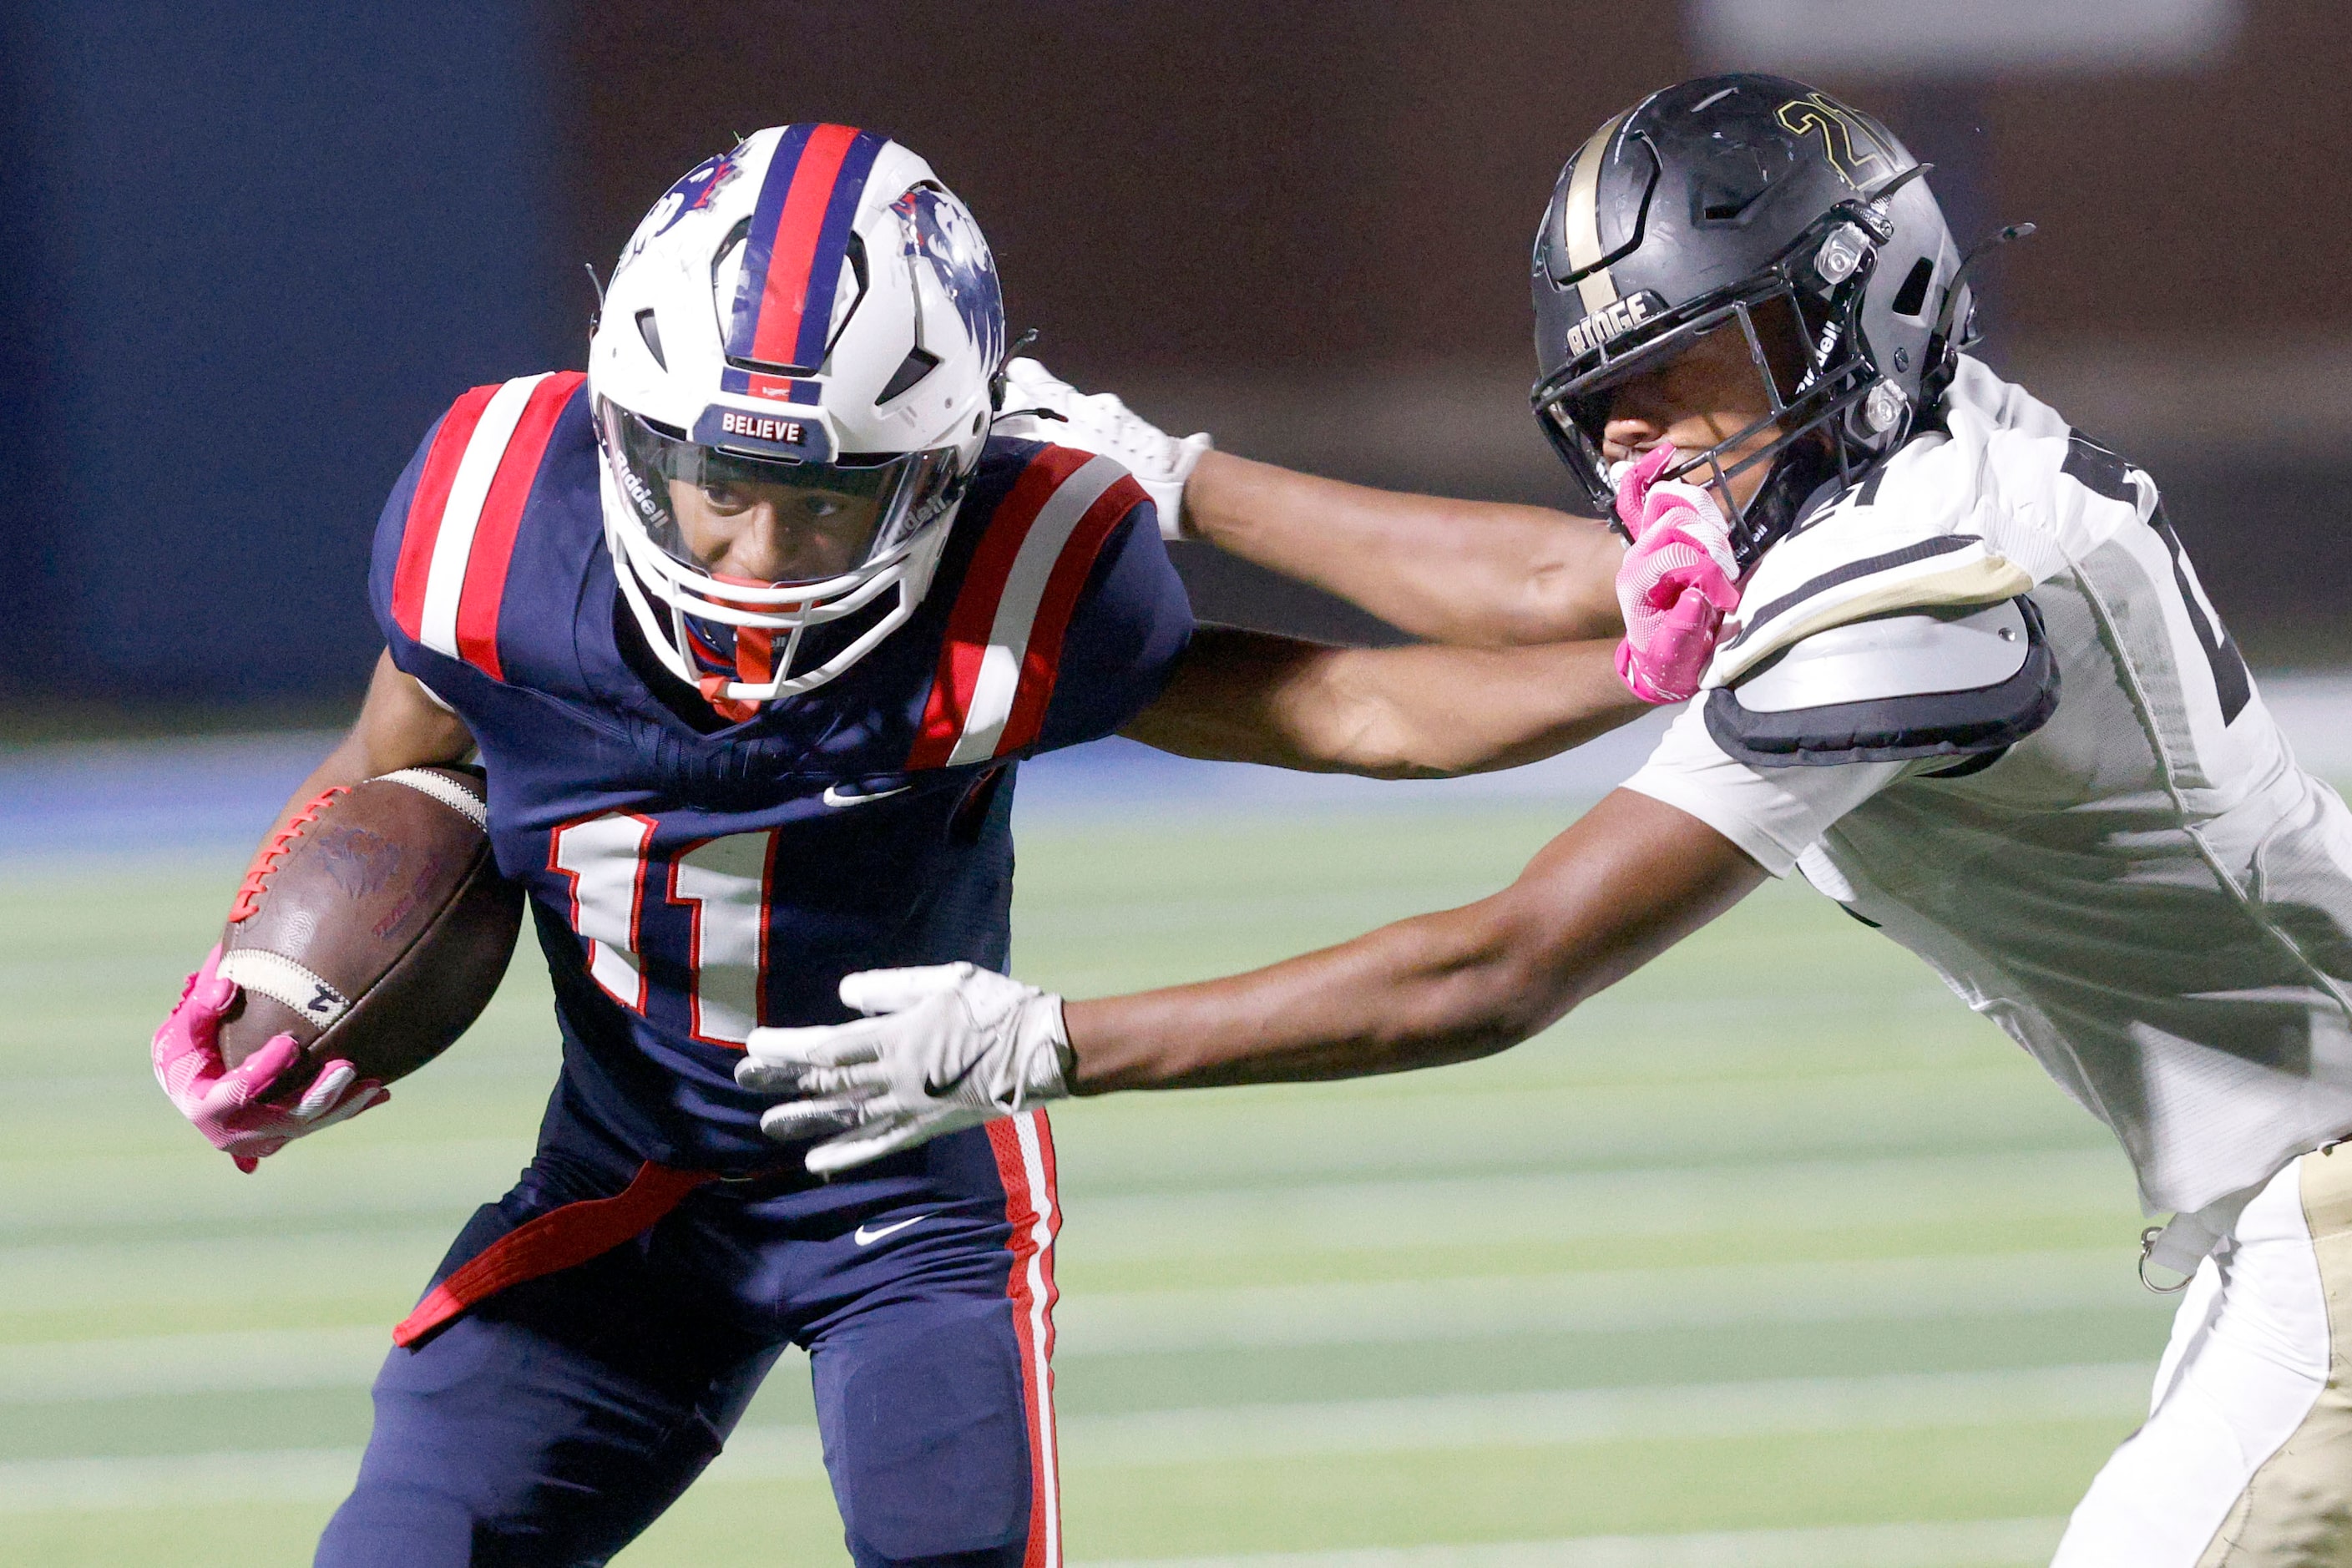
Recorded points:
(1774, 1256)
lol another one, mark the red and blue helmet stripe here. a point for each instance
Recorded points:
(799, 235)
(783, 388)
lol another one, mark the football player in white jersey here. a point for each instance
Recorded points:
(1968, 685)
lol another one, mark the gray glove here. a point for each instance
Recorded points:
(943, 1048)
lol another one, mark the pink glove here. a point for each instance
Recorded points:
(226, 1104)
(1676, 584)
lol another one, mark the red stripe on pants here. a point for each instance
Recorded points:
(1029, 1211)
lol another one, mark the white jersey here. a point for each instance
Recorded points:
(2137, 883)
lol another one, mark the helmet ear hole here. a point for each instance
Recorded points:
(650, 330)
(1911, 300)
(918, 363)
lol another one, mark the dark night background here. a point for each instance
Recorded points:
(251, 253)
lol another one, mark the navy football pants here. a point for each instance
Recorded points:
(552, 1423)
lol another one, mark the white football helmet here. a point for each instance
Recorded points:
(809, 323)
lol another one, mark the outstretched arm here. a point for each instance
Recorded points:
(1629, 879)
(1481, 574)
(952, 1046)
(1404, 713)
(1484, 573)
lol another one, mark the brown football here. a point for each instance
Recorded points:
(373, 929)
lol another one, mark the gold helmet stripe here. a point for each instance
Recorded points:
(1581, 219)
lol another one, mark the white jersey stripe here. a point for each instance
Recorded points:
(999, 681)
(444, 581)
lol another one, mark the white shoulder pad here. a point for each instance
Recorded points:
(1948, 682)
(1857, 561)
(1978, 396)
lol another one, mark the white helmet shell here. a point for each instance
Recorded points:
(813, 309)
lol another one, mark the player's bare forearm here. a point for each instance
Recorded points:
(1483, 573)
(398, 727)
(1632, 877)
(1426, 711)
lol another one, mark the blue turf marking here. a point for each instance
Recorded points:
(139, 797)
(218, 795)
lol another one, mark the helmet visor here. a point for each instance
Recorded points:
(756, 520)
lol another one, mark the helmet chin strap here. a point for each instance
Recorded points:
(1019, 346)
(1942, 350)
(1802, 467)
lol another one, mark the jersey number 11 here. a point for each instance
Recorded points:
(723, 885)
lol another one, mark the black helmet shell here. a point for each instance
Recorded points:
(1704, 201)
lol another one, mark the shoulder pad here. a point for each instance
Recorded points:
(1036, 547)
(1893, 688)
(1852, 565)
(458, 537)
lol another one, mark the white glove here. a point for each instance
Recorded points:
(1102, 424)
(942, 1047)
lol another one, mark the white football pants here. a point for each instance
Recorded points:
(2246, 1458)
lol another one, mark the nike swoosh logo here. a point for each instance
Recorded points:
(867, 1235)
(936, 1087)
(834, 795)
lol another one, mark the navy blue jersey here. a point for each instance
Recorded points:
(693, 872)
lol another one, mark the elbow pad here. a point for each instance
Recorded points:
(1964, 683)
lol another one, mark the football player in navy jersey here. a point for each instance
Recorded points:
(751, 627)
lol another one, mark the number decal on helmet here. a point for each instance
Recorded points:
(1847, 143)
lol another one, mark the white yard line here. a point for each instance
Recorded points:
(1966, 1543)
(1116, 1323)
(1302, 1213)
(1253, 1433)
(1771, 1407)
(254, 1360)
(1460, 1306)
(177, 1480)
(1274, 1212)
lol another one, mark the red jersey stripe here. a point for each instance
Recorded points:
(794, 247)
(494, 535)
(424, 507)
(1041, 661)
(974, 614)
